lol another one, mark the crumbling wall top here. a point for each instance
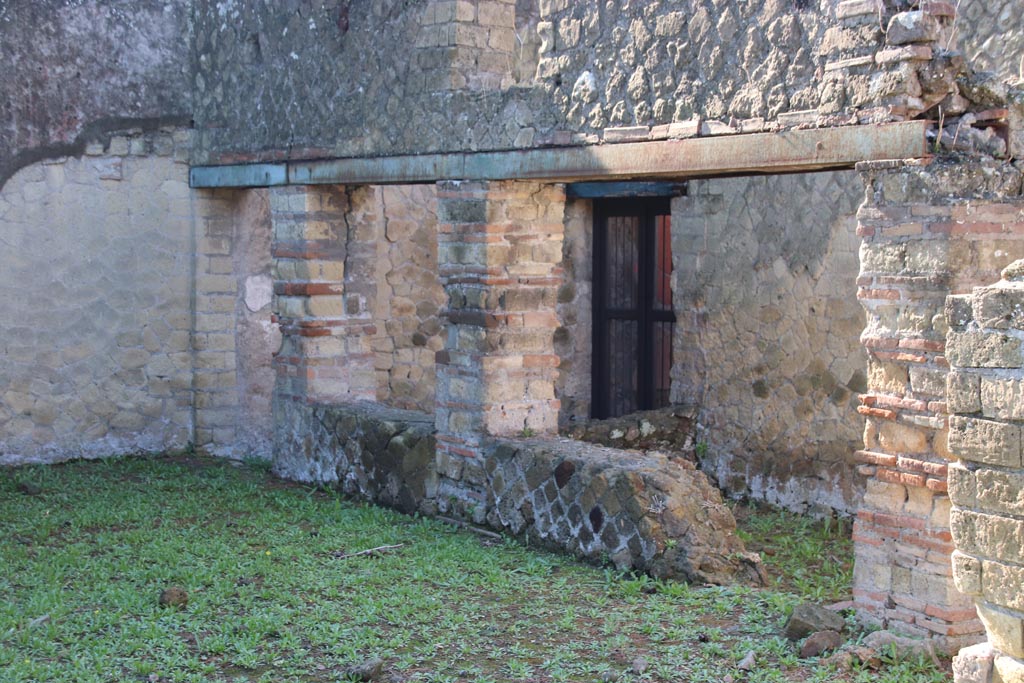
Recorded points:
(73, 71)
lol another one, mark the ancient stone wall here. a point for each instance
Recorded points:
(95, 276)
(605, 71)
(991, 34)
(499, 255)
(641, 511)
(648, 63)
(410, 297)
(263, 80)
(233, 337)
(75, 71)
(986, 356)
(400, 69)
(766, 339)
(928, 231)
(141, 322)
(373, 452)
(356, 277)
(574, 336)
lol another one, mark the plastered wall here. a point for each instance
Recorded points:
(136, 312)
(95, 277)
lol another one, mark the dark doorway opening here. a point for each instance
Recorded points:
(633, 314)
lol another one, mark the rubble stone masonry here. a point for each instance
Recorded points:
(766, 345)
(927, 231)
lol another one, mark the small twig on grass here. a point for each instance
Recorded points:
(470, 527)
(370, 551)
(38, 621)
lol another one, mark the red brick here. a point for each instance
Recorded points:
(895, 403)
(901, 614)
(539, 361)
(908, 479)
(877, 412)
(927, 543)
(914, 465)
(880, 342)
(902, 230)
(923, 345)
(874, 458)
(899, 521)
(863, 539)
(884, 294)
(910, 603)
(874, 596)
(976, 228)
(988, 212)
(308, 288)
(952, 615)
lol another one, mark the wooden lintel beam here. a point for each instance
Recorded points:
(815, 149)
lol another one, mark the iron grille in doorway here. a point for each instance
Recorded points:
(633, 315)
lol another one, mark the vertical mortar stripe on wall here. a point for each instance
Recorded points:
(192, 304)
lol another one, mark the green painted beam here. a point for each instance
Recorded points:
(816, 149)
(239, 175)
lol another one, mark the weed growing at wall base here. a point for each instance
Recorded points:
(278, 592)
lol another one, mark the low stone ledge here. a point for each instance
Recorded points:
(367, 450)
(647, 511)
(642, 511)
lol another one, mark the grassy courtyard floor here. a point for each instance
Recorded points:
(277, 593)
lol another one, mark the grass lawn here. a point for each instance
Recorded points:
(276, 594)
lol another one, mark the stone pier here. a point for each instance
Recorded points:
(928, 231)
(986, 483)
(500, 246)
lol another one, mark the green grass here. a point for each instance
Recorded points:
(272, 597)
(809, 557)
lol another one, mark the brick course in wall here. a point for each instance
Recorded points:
(927, 232)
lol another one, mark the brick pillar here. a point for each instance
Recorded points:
(325, 352)
(928, 232)
(986, 396)
(499, 250)
(466, 44)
